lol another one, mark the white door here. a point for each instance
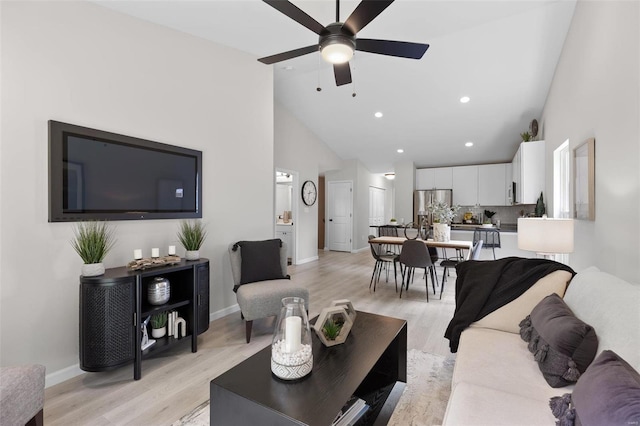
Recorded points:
(340, 216)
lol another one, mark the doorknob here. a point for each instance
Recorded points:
(330, 220)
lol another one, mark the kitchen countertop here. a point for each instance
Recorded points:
(504, 227)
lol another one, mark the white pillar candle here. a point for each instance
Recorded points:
(137, 254)
(155, 252)
(292, 334)
(172, 250)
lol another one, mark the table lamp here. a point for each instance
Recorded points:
(545, 236)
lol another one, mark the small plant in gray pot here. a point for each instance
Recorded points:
(159, 325)
(92, 241)
(191, 235)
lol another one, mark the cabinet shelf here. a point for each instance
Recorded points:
(164, 343)
(154, 309)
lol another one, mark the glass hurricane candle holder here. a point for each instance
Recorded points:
(291, 354)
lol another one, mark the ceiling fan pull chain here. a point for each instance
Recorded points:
(353, 83)
(319, 89)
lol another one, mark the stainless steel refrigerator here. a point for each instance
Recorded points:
(422, 200)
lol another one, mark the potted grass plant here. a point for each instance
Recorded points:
(159, 324)
(92, 241)
(191, 235)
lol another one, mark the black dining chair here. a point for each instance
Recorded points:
(452, 263)
(414, 254)
(383, 260)
(490, 238)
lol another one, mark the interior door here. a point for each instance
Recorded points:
(340, 216)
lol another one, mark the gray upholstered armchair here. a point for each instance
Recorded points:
(22, 395)
(260, 279)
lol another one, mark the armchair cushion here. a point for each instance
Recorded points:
(260, 261)
(21, 393)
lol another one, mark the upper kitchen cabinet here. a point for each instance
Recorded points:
(465, 185)
(528, 170)
(435, 178)
(492, 185)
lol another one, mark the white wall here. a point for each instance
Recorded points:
(404, 184)
(596, 93)
(80, 63)
(297, 149)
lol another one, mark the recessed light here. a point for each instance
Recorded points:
(378, 114)
(400, 151)
(465, 99)
(468, 144)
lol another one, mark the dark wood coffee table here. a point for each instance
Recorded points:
(371, 364)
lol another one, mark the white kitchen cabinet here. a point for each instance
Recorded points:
(285, 233)
(465, 185)
(434, 178)
(492, 184)
(528, 167)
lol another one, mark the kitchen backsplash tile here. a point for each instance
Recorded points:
(505, 214)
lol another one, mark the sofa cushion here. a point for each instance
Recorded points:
(563, 345)
(509, 316)
(260, 261)
(471, 404)
(610, 306)
(264, 299)
(607, 393)
(500, 361)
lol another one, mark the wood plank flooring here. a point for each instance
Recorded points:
(177, 380)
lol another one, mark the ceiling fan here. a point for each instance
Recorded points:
(338, 40)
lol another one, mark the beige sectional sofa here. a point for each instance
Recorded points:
(496, 380)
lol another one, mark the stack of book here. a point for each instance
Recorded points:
(351, 412)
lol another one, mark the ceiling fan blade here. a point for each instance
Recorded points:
(288, 55)
(295, 13)
(342, 73)
(364, 13)
(402, 49)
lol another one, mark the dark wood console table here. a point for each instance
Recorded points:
(113, 306)
(371, 364)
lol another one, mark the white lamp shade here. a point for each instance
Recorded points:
(544, 235)
(337, 53)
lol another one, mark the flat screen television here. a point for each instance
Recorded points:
(98, 175)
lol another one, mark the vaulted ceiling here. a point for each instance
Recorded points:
(501, 54)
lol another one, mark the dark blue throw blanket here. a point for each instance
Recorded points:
(484, 286)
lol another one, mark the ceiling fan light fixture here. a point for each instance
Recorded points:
(390, 176)
(336, 51)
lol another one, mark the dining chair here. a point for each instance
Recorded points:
(490, 238)
(382, 259)
(389, 231)
(452, 263)
(414, 254)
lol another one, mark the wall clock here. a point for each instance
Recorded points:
(309, 193)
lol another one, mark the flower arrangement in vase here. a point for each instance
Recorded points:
(443, 215)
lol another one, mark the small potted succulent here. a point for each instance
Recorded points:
(191, 235)
(333, 325)
(92, 241)
(159, 324)
(488, 215)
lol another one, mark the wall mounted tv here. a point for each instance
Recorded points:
(95, 174)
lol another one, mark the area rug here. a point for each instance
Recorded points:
(422, 403)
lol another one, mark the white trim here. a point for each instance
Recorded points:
(360, 250)
(307, 260)
(62, 375)
(223, 312)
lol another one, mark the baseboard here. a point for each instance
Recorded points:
(307, 260)
(360, 250)
(223, 312)
(62, 375)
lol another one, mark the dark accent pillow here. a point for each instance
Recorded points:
(563, 345)
(608, 393)
(260, 261)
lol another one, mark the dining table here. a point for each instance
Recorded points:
(463, 248)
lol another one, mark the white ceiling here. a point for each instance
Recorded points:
(502, 54)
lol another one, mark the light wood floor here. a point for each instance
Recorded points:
(176, 381)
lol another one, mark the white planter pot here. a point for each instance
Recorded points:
(92, 269)
(441, 232)
(192, 255)
(158, 332)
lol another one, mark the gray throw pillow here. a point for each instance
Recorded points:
(608, 393)
(260, 261)
(562, 344)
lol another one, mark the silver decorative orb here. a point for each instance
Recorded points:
(159, 291)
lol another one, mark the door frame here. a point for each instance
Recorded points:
(329, 209)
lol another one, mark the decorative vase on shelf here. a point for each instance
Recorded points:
(158, 332)
(441, 232)
(92, 269)
(192, 255)
(291, 355)
(159, 291)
